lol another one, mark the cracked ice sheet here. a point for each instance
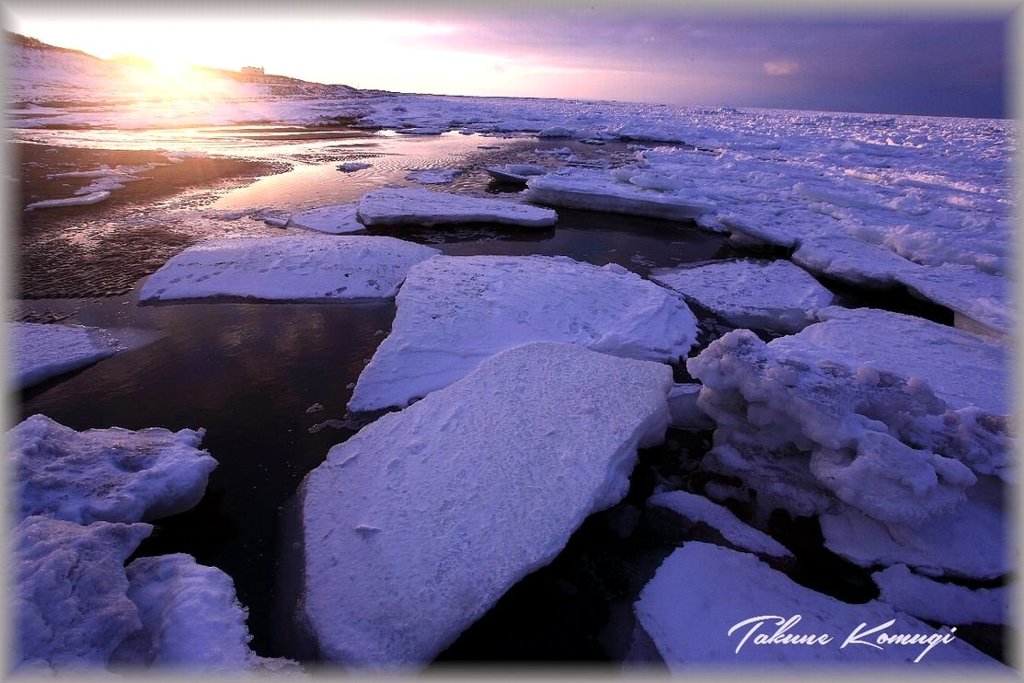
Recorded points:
(454, 312)
(420, 206)
(42, 351)
(702, 591)
(287, 268)
(416, 525)
(961, 368)
(774, 295)
(113, 475)
(981, 301)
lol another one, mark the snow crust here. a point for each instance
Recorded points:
(113, 475)
(454, 312)
(696, 508)
(391, 206)
(774, 295)
(702, 591)
(288, 268)
(415, 526)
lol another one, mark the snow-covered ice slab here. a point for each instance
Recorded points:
(852, 260)
(415, 526)
(287, 268)
(696, 508)
(946, 603)
(961, 368)
(597, 190)
(708, 605)
(419, 206)
(113, 475)
(80, 200)
(454, 312)
(42, 351)
(191, 619)
(335, 219)
(980, 301)
(69, 596)
(774, 295)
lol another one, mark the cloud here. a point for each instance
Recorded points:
(781, 68)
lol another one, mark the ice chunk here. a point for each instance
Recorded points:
(81, 200)
(42, 351)
(69, 593)
(686, 414)
(191, 618)
(290, 267)
(961, 368)
(514, 173)
(434, 176)
(334, 218)
(454, 312)
(980, 300)
(113, 475)
(426, 207)
(352, 166)
(596, 190)
(416, 525)
(945, 603)
(699, 509)
(708, 605)
(852, 260)
(969, 542)
(774, 295)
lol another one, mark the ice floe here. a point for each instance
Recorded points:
(711, 606)
(334, 219)
(946, 603)
(981, 301)
(698, 509)
(190, 620)
(353, 166)
(514, 173)
(287, 268)
(415, 526)
(420, 206)
(896, 474)
(69, 599)
(454, 312)
(80, 200)
(598, 190)
(42, 351)
(112, 475)
(961, 368)
(852, 261)
(774, 295)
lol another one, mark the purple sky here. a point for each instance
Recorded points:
(952, 65)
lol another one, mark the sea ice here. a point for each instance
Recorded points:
(707, 605)
(514, 173)
(774, 295)
(981, 301)
(416, 525)
(113, 475)
(190, 616)
(42, 351)
(420, 206)
(686, 414)
(945, 603)
(334, 218)
(69, 592)
(698, 509)
(961, 368)
(80, 200)
(454, 312)
(290, 267)
(597, 190)
(352, 166)
(852, 260)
